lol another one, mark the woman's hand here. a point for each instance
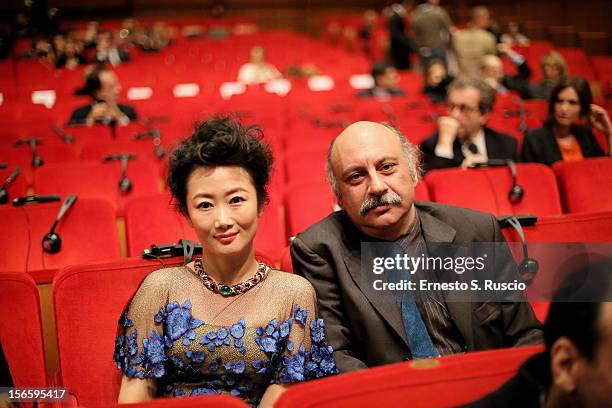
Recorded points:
(271, 395)
(600, 120)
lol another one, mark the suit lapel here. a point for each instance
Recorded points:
(436, 231)
(382, 301)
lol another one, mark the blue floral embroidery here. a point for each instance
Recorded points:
(284, 362)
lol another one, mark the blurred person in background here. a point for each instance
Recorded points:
(566, 134)
(257, 70)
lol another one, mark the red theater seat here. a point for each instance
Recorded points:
(88, 301)
(21, 330)
(88, 233)
(50, 152)
(97, 180)
(486, 189)
(585, 185)
(567, 232)
(442, 382)
(302, 165)
(17, 188)
(305, 204)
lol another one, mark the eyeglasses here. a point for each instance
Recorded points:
(464, 109)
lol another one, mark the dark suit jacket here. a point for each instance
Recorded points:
(522, 390)
(499, 146)
(79, 115)
(367, 330)
(401, 45)
(541, 145)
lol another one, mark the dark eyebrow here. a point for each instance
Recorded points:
(232, 191)
(380, 161)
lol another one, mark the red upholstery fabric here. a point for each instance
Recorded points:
(50, 152)
(285, 262)
(305, 204)
(442, 382)
(88, 232)
(153, 220)
(567, 228)
(585, 185)
(303, 165)
(486, 189)
(88, 301)
(207, 401)
(21, 330)
(18, 187)
(97, 180)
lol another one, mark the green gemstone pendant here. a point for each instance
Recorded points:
(225, 290)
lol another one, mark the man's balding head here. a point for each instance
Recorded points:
(373, 169)
(371, 131)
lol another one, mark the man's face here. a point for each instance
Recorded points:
(593, 379)
(110, 87)
(388, 79)
(493, 68)
(463, 106)
(375, 184)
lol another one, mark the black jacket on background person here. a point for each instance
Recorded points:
(499, 146)
(540, 145)
(79, 115)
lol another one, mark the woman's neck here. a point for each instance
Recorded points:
(230, 269)
(562, 131)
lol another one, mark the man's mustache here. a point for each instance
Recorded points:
(389, 198)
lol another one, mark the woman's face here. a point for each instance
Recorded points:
(222, 209)
(436, 74)
(567, 107)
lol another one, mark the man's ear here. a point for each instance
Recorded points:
(485, 118)
(565, 360)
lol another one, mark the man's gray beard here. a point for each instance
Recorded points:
(389, 198)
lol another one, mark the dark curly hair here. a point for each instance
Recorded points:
(220, 141)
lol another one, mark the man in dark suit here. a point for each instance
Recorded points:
(463, 138)
(400, 44)
(103, 87)
(373, 169)
(385, 82)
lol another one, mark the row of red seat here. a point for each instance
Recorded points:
(86, 327)
(90, 234)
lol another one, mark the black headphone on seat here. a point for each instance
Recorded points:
(52, 243)
(37, 161)
(528, 267)
(125, 184)
(516, 193)
(4, 196)
(185, 248)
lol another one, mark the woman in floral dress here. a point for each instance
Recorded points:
(224, 323)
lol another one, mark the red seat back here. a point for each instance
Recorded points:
(88, 232)
(21, 329)
(486, 189)
(585, 185)
(442, 382)
(88, 301)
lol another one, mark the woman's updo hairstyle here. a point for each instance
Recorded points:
(220, 141)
